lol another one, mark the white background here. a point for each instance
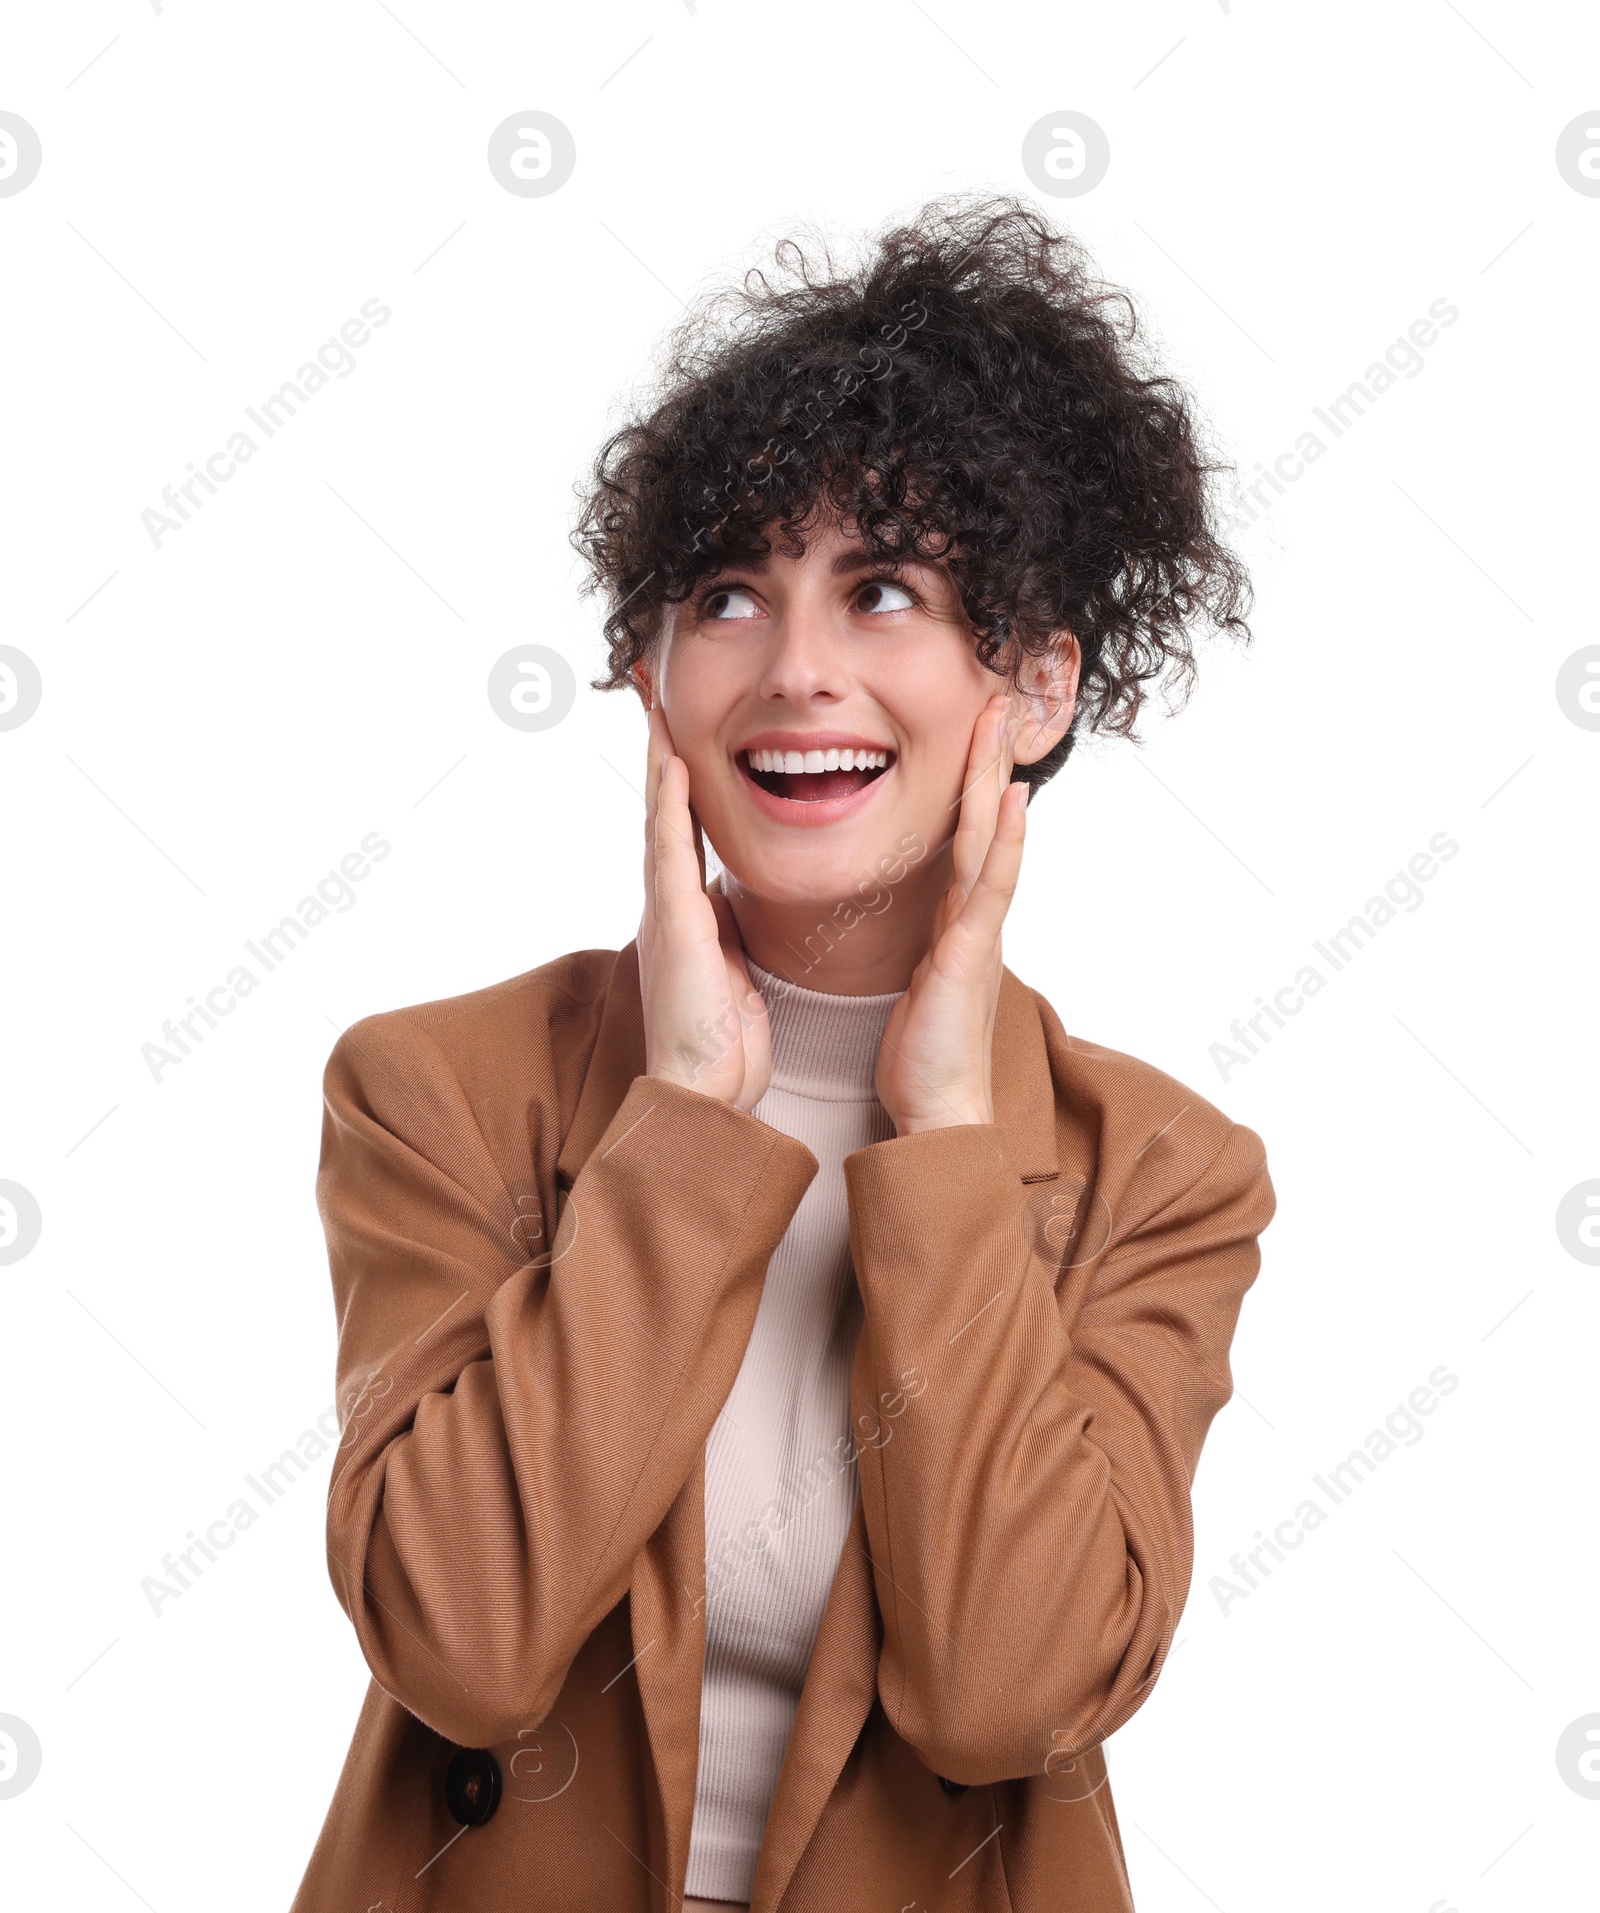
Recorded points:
(225, 717)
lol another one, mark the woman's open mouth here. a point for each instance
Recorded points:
(813, 786)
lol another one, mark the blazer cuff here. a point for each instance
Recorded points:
(729, 1176)
(928, 1213)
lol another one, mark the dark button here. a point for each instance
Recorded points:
(472, 1786)
(951, 1786)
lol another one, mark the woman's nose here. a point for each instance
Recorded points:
(806, 655)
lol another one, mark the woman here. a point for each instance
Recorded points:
(775, 1357)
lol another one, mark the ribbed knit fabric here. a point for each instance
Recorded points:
(779, 1492)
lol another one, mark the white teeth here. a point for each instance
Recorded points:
(795, 763)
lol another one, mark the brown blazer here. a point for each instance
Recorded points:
(546, 1267)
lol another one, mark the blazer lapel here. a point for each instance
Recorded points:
(666, 1608)
(616, 1058)
(839, 1689)
(669, 1637)
(842, 1680)
(1024, 1089)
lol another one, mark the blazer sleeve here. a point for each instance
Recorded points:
(1026, 1468)
(516, 1424)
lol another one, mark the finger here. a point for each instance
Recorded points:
(727, 924)
(678, 884)
(652, 778)
(989, 899)
(655, 728)
(980, 796)
(699, 844)
(969, 824)
(668, 815)
(661, 748)
(747, 999)
(656, 750)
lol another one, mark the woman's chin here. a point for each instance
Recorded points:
(814, 880)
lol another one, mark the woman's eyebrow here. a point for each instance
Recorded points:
(857, 558)
(860, 559)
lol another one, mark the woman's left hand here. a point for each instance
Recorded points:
(934, 1068)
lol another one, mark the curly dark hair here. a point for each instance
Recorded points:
(970, 394)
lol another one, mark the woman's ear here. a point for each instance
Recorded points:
(1044, 697)
(644, 684)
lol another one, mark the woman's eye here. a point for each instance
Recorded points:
(882, 594)
(729, 602)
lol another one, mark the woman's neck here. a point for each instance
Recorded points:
(843, 948)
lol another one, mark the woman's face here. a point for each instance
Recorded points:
(774, 672)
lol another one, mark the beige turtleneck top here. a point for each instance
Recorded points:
(779, 1493)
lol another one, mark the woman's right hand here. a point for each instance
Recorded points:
(705, 1024)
